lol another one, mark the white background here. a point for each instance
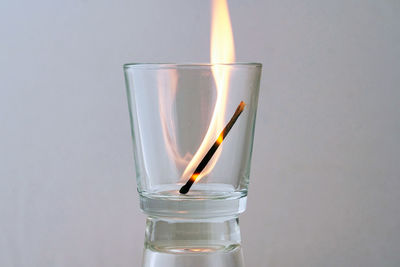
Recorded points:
(325, 181)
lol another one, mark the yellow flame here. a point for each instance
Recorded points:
(222, 45)
(222, 51)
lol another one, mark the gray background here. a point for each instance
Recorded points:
(325, 178)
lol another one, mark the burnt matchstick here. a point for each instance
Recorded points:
(212, 150)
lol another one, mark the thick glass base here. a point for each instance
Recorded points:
(207, 242)
(203, 201)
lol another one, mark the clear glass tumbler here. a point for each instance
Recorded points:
(177, 113)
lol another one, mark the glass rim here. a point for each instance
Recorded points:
(188, 65)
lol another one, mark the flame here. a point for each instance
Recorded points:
(222, 51)
(222, 45)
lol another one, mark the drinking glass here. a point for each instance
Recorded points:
(177, 114)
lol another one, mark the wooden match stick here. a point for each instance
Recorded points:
(212, 150)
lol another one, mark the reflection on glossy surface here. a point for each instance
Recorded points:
(195, 243)
(193, 257)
